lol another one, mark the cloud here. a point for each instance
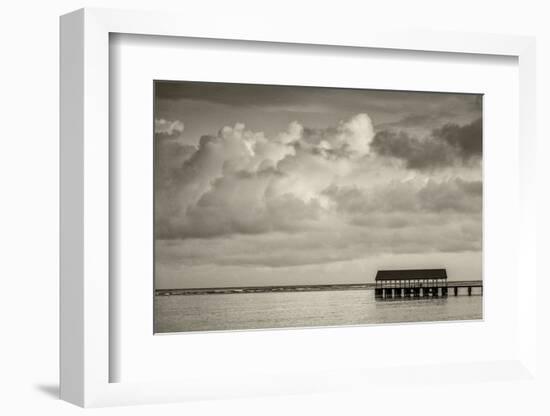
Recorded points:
(313, 99)
(418, 120)
(170, 151)
(420, 203)
(322, 246)
(167, 127)
(452, 195)
(314, 195)
(238, 165)
(200, 192)
(467, 139)
(415, 153)
(243, 204)
(319, 185)
(445, 146)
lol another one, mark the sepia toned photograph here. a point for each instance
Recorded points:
(290, 206)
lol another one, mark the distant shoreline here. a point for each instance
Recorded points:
(286, 288)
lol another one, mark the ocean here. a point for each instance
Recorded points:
(182, 313)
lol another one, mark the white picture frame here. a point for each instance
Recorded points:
(85, 221)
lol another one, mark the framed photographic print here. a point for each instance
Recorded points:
(287, 206)
(280, 213)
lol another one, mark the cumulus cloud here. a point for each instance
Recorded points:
(350, 137)
(170, 128)
(242, 181)
(170, 151)
(334, 193)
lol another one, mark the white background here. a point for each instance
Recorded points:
(29, 175)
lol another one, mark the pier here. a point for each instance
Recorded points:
(419, 283)
(456, 288)
(466, 285)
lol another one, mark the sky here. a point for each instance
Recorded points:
(268, 185)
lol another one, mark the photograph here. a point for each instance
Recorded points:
(283, 206)
(244, 208)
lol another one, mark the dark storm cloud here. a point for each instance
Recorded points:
(226, 93)
(343, 99)
(416, 153)
(446, 145)
(419, 120)
(466, 139)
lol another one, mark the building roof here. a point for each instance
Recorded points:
(411, 274)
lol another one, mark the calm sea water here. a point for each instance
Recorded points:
(303, 309)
